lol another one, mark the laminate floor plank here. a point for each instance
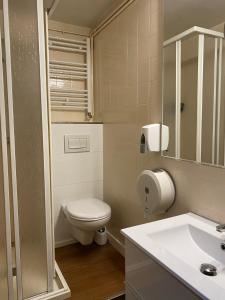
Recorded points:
(92, 272)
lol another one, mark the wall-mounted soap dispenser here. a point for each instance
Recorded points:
(154, 138)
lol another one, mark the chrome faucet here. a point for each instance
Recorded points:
(220, 228)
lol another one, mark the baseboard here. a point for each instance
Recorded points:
(65, 243)
(117, 244)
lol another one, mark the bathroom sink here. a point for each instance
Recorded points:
(182, 244)
(187, 239)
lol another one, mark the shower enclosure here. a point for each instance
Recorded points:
(27, 266)
(192, 93)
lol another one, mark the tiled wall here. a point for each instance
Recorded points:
(127, 65)
(75, 175)
(127, 77)
(128, 84)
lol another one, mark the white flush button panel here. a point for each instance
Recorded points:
(77, 143)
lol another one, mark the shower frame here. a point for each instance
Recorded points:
(218, 48)
(57, 287)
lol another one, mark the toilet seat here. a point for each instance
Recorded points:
(88, 210)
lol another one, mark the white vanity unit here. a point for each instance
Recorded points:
(164, 258)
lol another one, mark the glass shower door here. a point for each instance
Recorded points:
(29, 145)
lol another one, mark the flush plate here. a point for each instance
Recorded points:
(76, 143)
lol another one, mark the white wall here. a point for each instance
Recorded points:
(75, 175)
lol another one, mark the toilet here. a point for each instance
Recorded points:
(85, 217)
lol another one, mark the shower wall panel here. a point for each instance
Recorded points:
(28, 125)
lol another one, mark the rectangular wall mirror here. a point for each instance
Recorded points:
(193, 80)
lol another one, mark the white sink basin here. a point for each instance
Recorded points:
(181, 244)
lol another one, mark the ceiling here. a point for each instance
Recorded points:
(85, 13)
(180, 15)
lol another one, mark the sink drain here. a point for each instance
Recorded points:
(208, 269)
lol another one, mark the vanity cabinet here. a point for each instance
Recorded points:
(147, 280)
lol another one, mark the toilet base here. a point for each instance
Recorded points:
(84, 237)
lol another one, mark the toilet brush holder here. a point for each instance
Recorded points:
(101, 236)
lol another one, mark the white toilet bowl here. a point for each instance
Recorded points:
(85, 217)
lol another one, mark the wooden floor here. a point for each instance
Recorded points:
(92, 272)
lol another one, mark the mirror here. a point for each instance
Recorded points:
(193, 77)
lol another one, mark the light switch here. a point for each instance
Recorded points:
(77, 143)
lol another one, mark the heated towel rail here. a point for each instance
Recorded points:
(71, 71)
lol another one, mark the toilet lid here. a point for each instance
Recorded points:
(88, 209)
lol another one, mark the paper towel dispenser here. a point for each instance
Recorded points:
(156, 191)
